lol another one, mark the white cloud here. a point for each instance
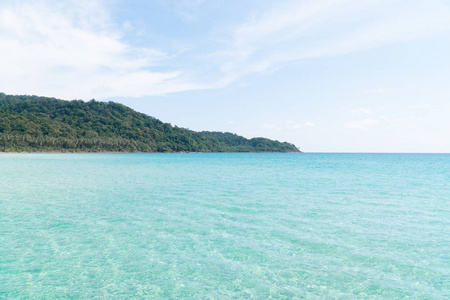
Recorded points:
(310, 124)
(71, 50)
(296, 30)
(362, 125)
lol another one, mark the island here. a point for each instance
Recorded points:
(43, 124)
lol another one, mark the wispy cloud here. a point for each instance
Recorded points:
(298, 30)
(74, 49)
(188, 10)
(71, 49)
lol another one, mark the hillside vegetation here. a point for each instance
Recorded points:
(41, 124)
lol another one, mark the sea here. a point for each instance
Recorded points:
(225, 226)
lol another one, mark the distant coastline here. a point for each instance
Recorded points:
(32, 124)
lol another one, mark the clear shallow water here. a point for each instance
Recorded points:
(218, 226)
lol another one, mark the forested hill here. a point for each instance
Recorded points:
(40, 124)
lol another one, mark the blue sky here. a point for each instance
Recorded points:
(326, 75)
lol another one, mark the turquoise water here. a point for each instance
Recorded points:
(221, 226)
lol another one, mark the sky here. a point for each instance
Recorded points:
(325, 75)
